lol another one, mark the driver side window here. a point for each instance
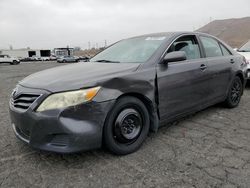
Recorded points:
(187, 44)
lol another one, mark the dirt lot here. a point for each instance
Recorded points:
(209, 149)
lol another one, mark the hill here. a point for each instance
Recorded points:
(234, 32)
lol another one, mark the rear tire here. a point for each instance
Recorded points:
(126, 126)
(234, 93)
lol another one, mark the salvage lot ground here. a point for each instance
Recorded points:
(208, 149)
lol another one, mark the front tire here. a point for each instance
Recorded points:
(126, 126)
(234, 93)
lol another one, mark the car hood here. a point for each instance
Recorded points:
(76, 76)
(246, 55)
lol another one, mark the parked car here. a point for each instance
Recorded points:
(53, 58)
(132, 87)
(45, 58)
(35, 58)
(22, 59)
(245, 51)
(8, 59)
(67, 59)
(25, 59)
(83, 58)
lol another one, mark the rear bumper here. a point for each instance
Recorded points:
(69, 130)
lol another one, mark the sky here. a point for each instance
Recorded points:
(49, 24)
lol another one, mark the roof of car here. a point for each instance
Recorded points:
(169, 34)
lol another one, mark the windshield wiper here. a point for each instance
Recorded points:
(107, 61)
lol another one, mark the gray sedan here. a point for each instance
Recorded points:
(67, 59)
(132, 87)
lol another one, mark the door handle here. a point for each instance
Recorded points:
(203, 67)
(232, 61)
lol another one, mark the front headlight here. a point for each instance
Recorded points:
(66, 99)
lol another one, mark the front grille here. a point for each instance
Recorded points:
(23, 101)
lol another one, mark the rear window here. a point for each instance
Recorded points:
(225, 51)
(211, 47)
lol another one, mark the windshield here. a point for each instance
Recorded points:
(134, 50)
(245, 47)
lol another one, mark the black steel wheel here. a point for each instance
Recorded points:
(126, 126)
(235, 93)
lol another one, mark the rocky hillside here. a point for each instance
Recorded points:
(234, 31)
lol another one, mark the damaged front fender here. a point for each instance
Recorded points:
(140, 84)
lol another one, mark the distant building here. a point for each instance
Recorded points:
(63, 51)
(23, 53)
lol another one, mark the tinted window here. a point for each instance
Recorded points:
(211, 47)
(189, 45)
(225, 51)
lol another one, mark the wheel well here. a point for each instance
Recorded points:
(241, 77)
(149, 105)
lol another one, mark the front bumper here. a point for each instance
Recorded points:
(73, 129)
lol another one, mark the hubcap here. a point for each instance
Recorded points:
(127, 126)
(235, 92)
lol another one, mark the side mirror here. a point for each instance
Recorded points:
(175, 56)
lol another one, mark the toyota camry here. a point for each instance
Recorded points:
(131, 88)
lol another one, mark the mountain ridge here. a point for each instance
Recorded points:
(234, 31)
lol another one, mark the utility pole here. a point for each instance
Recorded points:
(68, 51)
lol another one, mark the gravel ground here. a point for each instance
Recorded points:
(208, 149)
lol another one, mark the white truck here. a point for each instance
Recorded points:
(8, 59)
